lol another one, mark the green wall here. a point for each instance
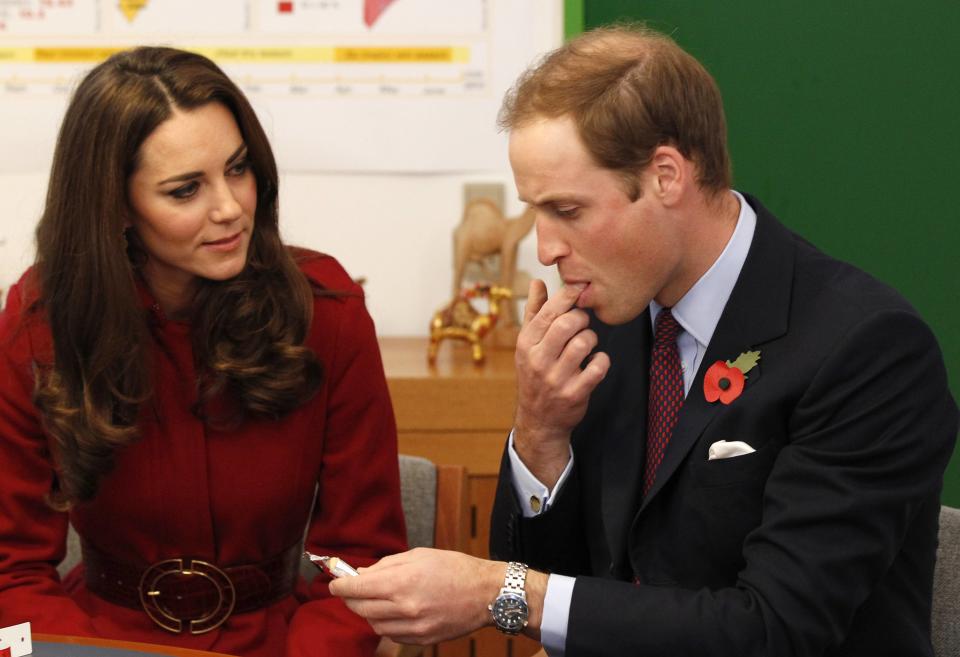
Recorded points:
(844, 118)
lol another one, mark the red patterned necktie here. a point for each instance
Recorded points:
(666, 393)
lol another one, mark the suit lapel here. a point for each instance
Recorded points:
(756, 312)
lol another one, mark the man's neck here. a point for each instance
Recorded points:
(710, 223)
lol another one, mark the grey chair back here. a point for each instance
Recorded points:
(418, 493)
(946, 586)
(73, 552)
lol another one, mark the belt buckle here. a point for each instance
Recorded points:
(151, 596)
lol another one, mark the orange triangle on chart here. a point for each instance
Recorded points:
(372, 10)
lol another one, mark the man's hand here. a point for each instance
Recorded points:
(426, 596)
(552, 389)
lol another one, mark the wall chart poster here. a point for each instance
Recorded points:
(340, 85)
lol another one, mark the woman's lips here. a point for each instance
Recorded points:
(226, 244)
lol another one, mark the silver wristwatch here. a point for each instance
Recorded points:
(509, 609)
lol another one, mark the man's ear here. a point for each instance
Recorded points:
(670, 174)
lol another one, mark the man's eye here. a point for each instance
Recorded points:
(566, 212)
(184, 191)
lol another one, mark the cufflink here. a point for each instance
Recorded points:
(535, 504)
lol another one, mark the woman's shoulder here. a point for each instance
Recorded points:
(20, 301)
(340, 315)
(21, 320)
(325, 273)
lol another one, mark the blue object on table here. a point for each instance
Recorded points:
(47, 649)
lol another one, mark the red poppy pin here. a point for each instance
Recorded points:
(724, 380)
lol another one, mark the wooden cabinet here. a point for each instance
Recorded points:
(455, 412)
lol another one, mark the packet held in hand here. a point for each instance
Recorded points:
(333, 566)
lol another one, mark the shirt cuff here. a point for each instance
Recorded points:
(535, 498)
(556, 614)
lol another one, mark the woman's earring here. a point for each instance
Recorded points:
(131, 244)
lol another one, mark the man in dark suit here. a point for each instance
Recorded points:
(726, 442)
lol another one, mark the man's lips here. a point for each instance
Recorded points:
(571, 281)
(582, 283)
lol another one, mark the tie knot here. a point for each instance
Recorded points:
(667, 328)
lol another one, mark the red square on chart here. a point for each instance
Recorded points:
(285, 7)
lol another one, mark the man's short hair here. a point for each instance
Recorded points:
(629, 90)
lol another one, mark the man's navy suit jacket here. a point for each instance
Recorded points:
(821, 542)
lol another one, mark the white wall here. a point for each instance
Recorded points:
(395, 230)
(21, 202)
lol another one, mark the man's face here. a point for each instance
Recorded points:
(626, 252)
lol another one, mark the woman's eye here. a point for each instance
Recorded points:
(184, 191)
(239, 168)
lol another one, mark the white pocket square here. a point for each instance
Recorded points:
(723, 449)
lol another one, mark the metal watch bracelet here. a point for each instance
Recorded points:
(515, 578)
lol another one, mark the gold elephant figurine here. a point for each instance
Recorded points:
(461, 321)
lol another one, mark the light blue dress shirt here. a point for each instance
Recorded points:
(698, 313)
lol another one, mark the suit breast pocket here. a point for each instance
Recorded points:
(735, 469)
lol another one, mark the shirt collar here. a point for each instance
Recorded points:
(699, 310)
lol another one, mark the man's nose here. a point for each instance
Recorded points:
(550, 246)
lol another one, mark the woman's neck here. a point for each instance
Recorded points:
(173, 291)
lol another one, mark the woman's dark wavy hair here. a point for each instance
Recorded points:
(248, 332)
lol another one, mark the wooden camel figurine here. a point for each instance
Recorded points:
(484, 231)
(459, 319)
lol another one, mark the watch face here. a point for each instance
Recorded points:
(510, 612)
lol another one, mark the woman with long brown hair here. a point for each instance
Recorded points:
(182, 388)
